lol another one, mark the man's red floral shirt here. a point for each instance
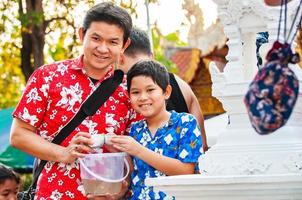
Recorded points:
(52, 97)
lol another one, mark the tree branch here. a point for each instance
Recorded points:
(47, 22)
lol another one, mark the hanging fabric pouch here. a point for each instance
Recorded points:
(273, 92)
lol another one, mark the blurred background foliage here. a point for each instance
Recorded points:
(34, 32)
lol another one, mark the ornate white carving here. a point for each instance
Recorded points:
(294, 163)
(218, 79)
(206, 40)
(195, 17)
(209, 166)
(251, 164)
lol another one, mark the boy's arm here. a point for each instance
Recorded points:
(167, 165)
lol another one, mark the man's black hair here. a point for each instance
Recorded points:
(140, 43)
(149, 68)
(111, 14)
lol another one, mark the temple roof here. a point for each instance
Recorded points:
(187, 61)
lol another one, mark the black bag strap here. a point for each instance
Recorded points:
(88, 108)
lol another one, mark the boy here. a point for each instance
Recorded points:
(182, 98)
(165, 142)
(9, 183)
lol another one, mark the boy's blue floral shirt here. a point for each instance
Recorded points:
(180, 138)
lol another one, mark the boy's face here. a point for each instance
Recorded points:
(8, 190)
(147, 98)
(102, 46)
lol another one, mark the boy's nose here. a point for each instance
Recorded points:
(143, 96)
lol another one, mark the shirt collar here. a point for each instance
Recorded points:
(172, 120)
(79, 65)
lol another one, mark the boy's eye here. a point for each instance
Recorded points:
(134, 92)
(150, 90)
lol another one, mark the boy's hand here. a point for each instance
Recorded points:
(126, 144)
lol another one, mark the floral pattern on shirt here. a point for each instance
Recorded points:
(180, 138)
(53, 95)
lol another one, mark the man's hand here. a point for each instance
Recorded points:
(78, 147)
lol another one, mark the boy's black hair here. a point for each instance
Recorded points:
(8, 174)
(140, 43)
(109, 13)
(149, 68)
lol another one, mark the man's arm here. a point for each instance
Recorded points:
(23, 136)
(194, 108)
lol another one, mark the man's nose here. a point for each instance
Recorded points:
(102, 47)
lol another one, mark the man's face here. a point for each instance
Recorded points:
(102, 46)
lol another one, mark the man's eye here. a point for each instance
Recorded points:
(114, 42)
(95, 38)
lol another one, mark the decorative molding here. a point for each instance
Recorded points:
(251, 164)
(209, 166)
(293, 162)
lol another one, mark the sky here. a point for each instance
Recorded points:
(168, 14)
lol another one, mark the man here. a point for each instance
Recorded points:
(182, 98)
(54, 94)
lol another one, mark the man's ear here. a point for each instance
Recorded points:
(81, 33)
(168, 92)
(126, 45)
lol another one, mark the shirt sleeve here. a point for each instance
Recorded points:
(32, 105)
(190, 144)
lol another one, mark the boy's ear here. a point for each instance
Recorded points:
(168, 92)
